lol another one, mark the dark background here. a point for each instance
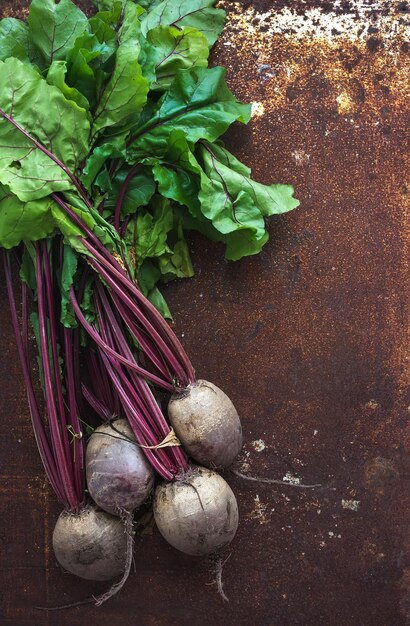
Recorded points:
(310, 339)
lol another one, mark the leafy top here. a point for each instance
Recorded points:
(120, 112)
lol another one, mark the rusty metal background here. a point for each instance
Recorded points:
(310, 339)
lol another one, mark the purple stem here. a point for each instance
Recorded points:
(79, 222)
(136, 310)
(76, 341)
(123, 191)
(42, 441)
(148, 347)
(58, 446)
(136, 422)
(112, 332)
(127, 301)
(52, 325)
(100, 381)
(115, 268)
(97, 406)
(112, 335)
(124, 226)
(97, 339)
(77, 443)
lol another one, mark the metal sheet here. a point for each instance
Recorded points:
(310, 339)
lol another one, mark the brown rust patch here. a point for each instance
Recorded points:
(345, 75)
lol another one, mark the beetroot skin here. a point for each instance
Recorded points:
(91, 544)
(119, 476)
(207, 424)
(198, 513)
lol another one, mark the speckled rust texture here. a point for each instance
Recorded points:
(310, 339)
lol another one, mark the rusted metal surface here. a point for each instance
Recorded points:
(310, 339)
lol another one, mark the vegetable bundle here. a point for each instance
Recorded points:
(110, 153)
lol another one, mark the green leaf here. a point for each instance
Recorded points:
(207, 192)
(168, 49)
(87, 304)
(56, 76)
(68, 271)
(224, 201)
(148, 4)
(67, 227)
(27, 266)
(199, 224)
(85, 62)
(220, 194)
(58, 124)
(270, 199)
(96, 161)
(20, 221)
(152, 230)
(104, 23)
(130, 31)
(35, 220)
(139, 191)
(106, 5)
(148, 276)
(229, 212)
(177, 263)
(198, 14)
(125, 94)
(178, 173)
(13, 39)
(55, 27)
(242, 243)
(198, 103)
(235, 203)
(157, 299)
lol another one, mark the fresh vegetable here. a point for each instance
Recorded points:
(119, 476)
(207, 424)
(197, 513)
(90, 544)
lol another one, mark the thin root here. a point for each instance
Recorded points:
(65, 606)
(219, 564)
(127, 520)
(272, 481)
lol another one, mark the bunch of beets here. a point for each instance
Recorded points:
(110, 153)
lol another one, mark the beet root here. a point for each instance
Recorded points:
(119, 476)
(196, 513)
(207, 424)
(91, 544)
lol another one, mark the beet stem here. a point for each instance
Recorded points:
(42, 441)
(55, 432)
(52, 330)
(112, 331)
(121, 195)
(154, 315)
(97, 339)
(97, 406)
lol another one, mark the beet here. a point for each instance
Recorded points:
(119, 476)
(196, 513)
(207, 424)
(91, 544)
